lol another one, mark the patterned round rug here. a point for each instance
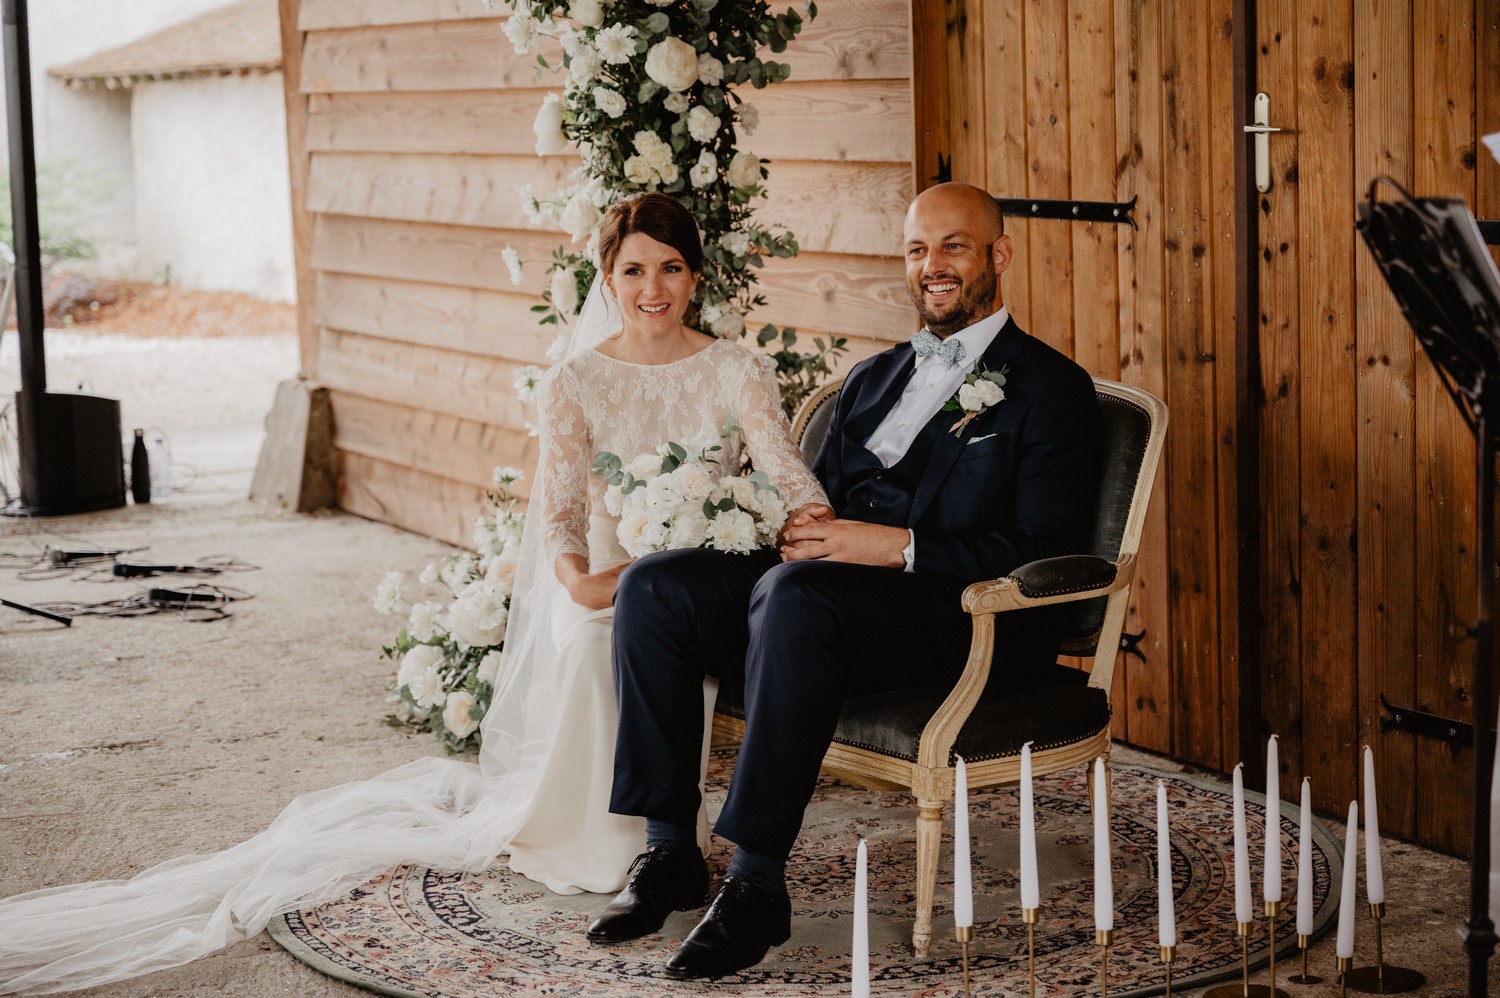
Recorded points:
(417, 931)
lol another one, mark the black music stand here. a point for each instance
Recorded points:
(1433, 258)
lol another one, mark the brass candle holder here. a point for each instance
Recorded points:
(1168, 955)
(1345, 962)
(1303, 942)
(1381, 979)
(1273, 911)
(1242, 990)
(1105, 937)
(1030, 916)
(965, 935)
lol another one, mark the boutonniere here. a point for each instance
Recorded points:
(982, 388)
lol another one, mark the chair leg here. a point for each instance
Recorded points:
(929, 844)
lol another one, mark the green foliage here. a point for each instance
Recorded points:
(67, 195)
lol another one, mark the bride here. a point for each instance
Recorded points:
(635, 378)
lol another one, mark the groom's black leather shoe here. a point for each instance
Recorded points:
(663, 880)
(742, 923)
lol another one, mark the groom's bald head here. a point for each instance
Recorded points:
(956, 250)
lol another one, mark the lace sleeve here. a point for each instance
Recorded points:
(768, 436)
(563, 512)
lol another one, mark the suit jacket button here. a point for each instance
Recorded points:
(874, 503)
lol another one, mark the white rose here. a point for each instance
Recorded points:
(427, 689)
(737, 243)
(422, 658)
(616, 43)
(676, 103)
(656, 535)
(744, 170)
(731, 323)
(689, 530)
(479, 616)
(584, 65)
(673, 63)
(608, 101)
(565, 293)
(710, 70)
(548, 127)
(702, 124)
(664, 494)
(523, 32)
(749, 117)
(733, 530)
(589, 13)
(645, 466)
(638, 171)
(631, 534)
(388, 594)
(705, 171)
(971, 398)
(502, 572)
(456, 714)
(424, 622)
(489, 667)
(668, 172)
(579, 218)
(988, 392)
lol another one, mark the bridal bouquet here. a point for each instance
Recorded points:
(673, 498)
(449, 650)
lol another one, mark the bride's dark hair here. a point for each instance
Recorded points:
(652, 214)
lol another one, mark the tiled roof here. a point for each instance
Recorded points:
(240, 37)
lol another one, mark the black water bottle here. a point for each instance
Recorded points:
(140, 469)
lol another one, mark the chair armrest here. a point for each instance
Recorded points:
(1046, 581)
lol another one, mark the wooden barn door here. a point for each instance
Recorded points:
(1366, 469)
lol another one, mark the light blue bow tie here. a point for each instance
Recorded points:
(950, 351)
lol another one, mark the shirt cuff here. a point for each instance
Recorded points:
(910, 551)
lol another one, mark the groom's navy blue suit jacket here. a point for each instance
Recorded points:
(1018, 485)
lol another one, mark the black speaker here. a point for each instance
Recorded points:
(80, 465)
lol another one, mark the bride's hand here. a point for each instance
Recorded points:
(594, 590)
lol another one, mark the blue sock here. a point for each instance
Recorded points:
(766, 872)
(664, 833)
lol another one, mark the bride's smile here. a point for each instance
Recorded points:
(654, 285)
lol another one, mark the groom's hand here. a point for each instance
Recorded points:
(852, 541)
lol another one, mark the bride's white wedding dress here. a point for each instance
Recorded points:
(540, 792)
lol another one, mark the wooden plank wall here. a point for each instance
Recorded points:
(418, 137)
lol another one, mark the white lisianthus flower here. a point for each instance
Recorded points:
(663, 3)
(732, 530)
(737, 243)
(664, 494)
(523, 31)
(676, 103)
(565, 293)
(668, 172)
(705, 171)
(429, 574)
(527, 380)
(609, 101)
(501, 572)
(598, 193)
(570, 40)
(656, 535)
(710, 312)
(585, 65)
(589, 13)
(744, 170)
(550, 139)
(506, 475)
(458, 571)
(730, 324)
(529, 205)
(580, 216)
(710, 70)
(694, 482)
(489, 667)
(689, 530)
(422, 658)
(631, 534)
(702, 124)
(652, 148)
(487, 541)
(513, 264)
(556, 350)
(638, 171)
(427, 689)
(425, 621)
(749, 117)
(980, 395)
(388, 593)
(673, 63)
(456, 714)
(616, 43)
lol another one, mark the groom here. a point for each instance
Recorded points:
(861, 598)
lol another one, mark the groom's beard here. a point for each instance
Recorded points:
(975, 301)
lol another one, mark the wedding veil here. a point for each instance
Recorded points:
(435, 812)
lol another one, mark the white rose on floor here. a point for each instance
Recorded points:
(565, 293)
(702, 124)
(732, 530)
(608, 101)
(456, 714)
(523, 32)
(548, 127)
(710, 70)
(489, 667)
(589, 13)
(749, 117)
(705, 171)
(427, 689)
(584, 65)
(616, 43)
(737, 243)
(425, 621)
(479, 617)
(422, 658)
(388, 594)
(673, 63)
(744, 170)
(579, 218)
(638, 171)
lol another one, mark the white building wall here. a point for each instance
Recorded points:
(213, 198)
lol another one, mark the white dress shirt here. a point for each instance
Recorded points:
(931, 384)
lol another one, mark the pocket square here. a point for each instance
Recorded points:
(976, 440)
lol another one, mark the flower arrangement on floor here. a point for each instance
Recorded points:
(449, 650)
(676, 498)
(650, 102)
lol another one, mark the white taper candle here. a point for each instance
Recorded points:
(1304, 864)
(1346, 896)
(1244, 911)
(861, 969)
(1271, 885)
(1031, 894)
(1374, 874)
(1104, 886)
(1166, 908)
(963, 889)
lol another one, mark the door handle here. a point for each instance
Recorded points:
(1262, 130)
